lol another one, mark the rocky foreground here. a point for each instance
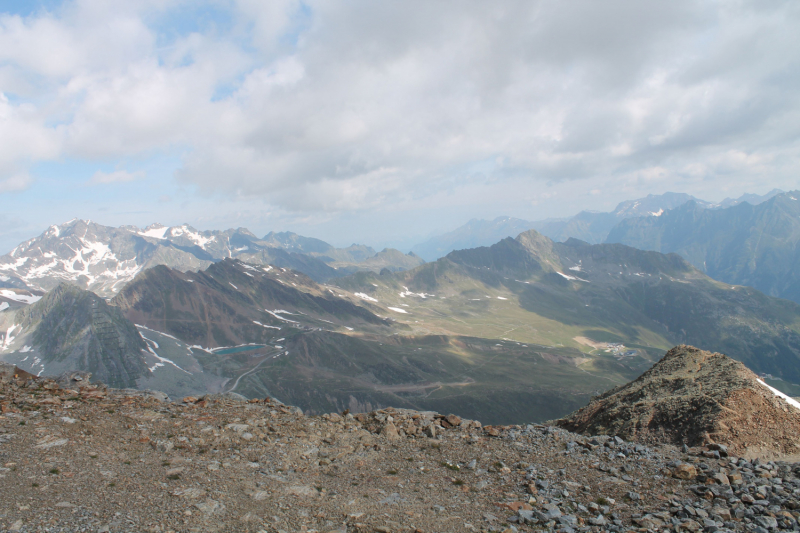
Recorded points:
(81, 457)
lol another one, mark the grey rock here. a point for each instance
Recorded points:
(599, 520)
(568, 520)
(548, 512)
(767, 522)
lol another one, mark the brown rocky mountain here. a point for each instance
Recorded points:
(696, 397)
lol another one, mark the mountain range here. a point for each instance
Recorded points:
(103, 259)
(590, 226)
(527, 329)
(755, 245)
(590, 297)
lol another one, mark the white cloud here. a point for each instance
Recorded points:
(342, 106)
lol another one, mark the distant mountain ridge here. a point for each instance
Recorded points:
(575, 294)
(754, 245)
(589, 226)
(103, 259)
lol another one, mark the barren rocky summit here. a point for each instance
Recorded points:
(695, 397)
(76, 456)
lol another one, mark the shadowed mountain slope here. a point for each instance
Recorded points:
(73, 329)
(232, 303)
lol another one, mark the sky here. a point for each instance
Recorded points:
(385, 123)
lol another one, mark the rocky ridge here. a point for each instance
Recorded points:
(696, 397)
(83, 457)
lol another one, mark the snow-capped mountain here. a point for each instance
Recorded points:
(96, 257)
(103, 259)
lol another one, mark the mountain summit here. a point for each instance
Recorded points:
(695, 397)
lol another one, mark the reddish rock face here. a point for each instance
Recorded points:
(695, 397)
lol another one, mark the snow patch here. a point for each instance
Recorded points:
(264, 325)
(422, 295)
(4, 306)
(197, 238)
(24, 298)
(232, 285)
(573, 278)
(398, 310)
(8, 338)
(161, 360)
(155, 233)
(791, 401)
(501, 298)
(657, 213)
(365, 297)
(150, 340)
(159, 332)
(275, 314)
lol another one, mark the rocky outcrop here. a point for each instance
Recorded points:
(695, 397)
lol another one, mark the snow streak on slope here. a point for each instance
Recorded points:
(571, 278)
(791, 401)
(275, 314)
(161, 361)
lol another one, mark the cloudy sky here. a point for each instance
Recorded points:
(386, 122)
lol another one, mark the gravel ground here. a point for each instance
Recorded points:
(87, 458)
